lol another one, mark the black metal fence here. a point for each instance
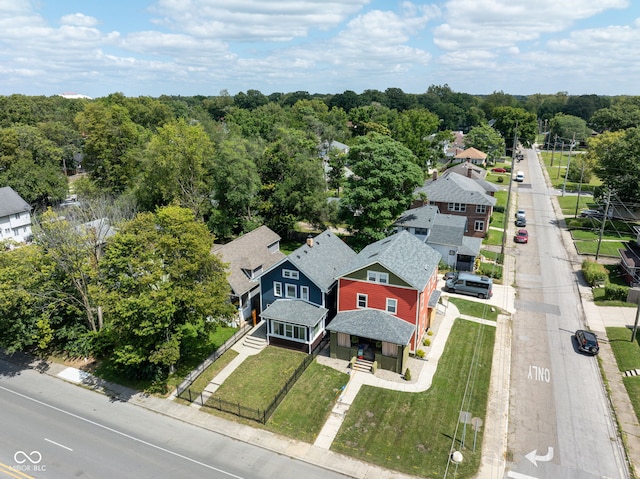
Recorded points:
(255, 414)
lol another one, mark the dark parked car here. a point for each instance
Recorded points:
(450, 275)
(520, 222)
(587, 341)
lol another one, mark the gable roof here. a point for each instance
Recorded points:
(421, 217)
(295, 311)
(322, 258)
(448, 230)
(455, 188)
(472, 154)
(11, 202)
(248, 252)
(402, 254)
(373, 324)
(467, 169)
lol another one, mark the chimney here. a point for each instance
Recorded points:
(469, 170)
(435, 175)
(309, 241)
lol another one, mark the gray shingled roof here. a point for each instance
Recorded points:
(433, 299)
(373, 324)
(403, 255)
(422, 217)
(295, 311)
(448, 230)
(11, 202)
(470, 246)
(248, 252)
(455, 188)
(324, 261)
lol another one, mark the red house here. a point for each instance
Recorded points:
(386, 300)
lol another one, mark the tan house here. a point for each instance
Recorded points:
(471, 155)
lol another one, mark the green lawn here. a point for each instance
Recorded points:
(208, 374)
(497, 219)
(475, 308)
(494, 237)
(607, 248)
(568, 204)
(501, 196)
(627, 356)
(307, 406)
(414, 432)
(260, 377)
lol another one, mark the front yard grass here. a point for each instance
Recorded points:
(415, 432)
(260, 377)
(607, 248)
(627, 356)
(208, 374)
(494, 237)
(307, 406)
(475, 308)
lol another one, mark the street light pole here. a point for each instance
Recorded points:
(506, 211)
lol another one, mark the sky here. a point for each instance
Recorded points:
(204, 47)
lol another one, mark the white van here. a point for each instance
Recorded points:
(519, 176)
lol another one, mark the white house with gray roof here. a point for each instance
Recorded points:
(15, 216)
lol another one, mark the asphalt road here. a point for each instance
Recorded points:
(560, 425)
(52, 429)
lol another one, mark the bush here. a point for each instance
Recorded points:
(420, 353)
(426, 342)
(430, 333)
(490, 270)
(594, 273)
(498, 209)
(500, 179)
(407, 375)
(614, 292)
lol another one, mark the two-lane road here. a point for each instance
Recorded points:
(51, 429)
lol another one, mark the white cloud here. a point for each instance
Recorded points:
(78, 19)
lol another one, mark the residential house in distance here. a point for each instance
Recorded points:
(444, 233)
(386, 300)
(15, 216)
(471, 155)
(298, 294)
(459, 195)
(454, 147)
(248, 257)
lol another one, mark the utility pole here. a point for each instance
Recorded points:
(566, 174)
(579, 188)
(560, 160)
(604, 220)
(553, 152)
(506, 211)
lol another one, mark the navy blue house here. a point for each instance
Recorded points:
(299, 293)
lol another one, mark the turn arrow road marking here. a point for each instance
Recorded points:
(535, 458)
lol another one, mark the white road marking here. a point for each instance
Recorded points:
(58, 444)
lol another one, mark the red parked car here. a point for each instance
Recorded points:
(522, 236)
(498, 170)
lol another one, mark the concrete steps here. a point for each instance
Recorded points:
(363, 365)
(254, 342)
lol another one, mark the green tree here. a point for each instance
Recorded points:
(509, 118)
(569, 127)
(161, 286)
(175, 166)
(485, 139)
(112, 145)
(622, 114)
(616, 154)
(412, 128)
(385, 176)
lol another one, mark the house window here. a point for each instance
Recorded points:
(459, 207)
(452, 252)
(344, 340)
(362, 300)
(377, 277)
(392, 305)
(291, 291)
(304, 292)
(482, 209)
(290, 331)
(389, 349)
(478, 225)
(291, 274)
(277, 288)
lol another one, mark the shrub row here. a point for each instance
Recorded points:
(593, 272)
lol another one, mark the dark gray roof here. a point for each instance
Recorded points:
(11, 203)
(448, 230)
(373, 324)
(403, 255)
(324, 260)
(433, 299)
(477, 172)
(422, 217)
(295, 311)
(249, 252)
(455, 188)
(470, 246)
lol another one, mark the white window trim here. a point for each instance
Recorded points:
(481, 209)
(277, 289)
(378, 277)
(392, 305)
(366, 300)
(478, 223)
(290, 273)
(304, 292)
(286, 291)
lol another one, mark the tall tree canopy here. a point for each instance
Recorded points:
(509, 118)
(617, 156)
(161, 286)
(485, 139)
(385, 176)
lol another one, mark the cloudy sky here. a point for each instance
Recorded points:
(200, 47)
